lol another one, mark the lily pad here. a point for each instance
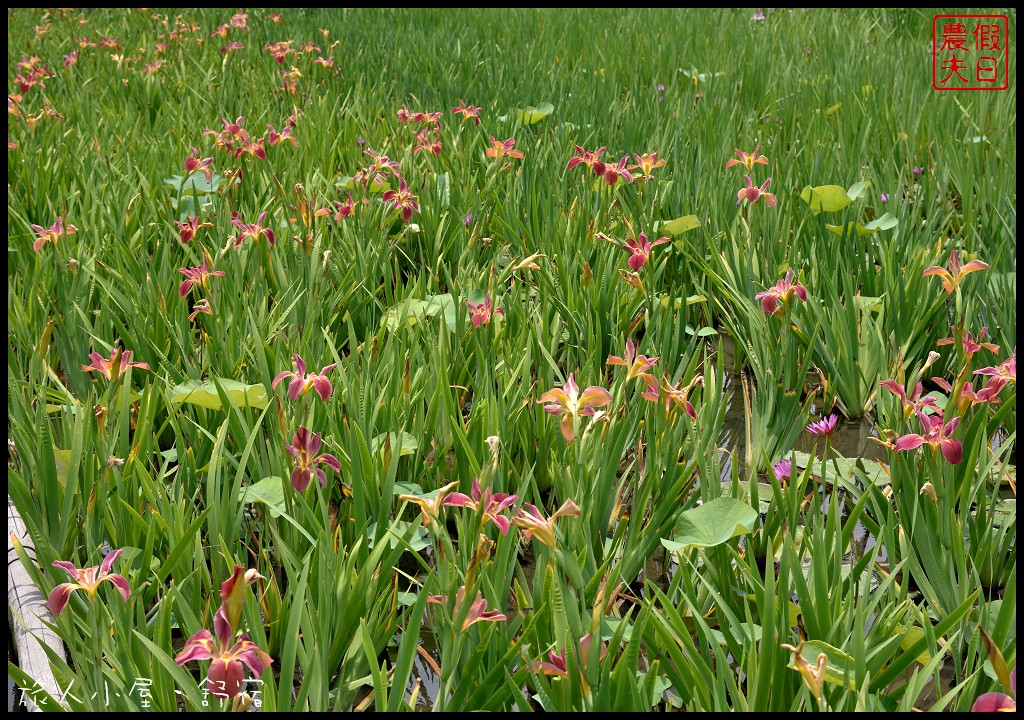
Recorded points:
(409, 443)
(679, 225)
(204, 394)
(408, 488)
(849, 468)
(530, 115)
(743, 633)
(856, 190)
(412, 311)
(696, 75)
(61, 460)
(909, 637)
(677, 302)
(347, 183)
(400, 529)
(886, 222)
(830, 198)
(269, 491)
(195, 184)
(196, 193)
(711, 524)
(839, 667)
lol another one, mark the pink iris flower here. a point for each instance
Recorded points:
(302, 382)
(673, 394)
(431, 507)
(305, 449)
(747, 160)
(344, 209)
(954, 273)
(193, 163)
(536, 526)
(116, 365)
(196, 276)
(226, 677)
(490, 503)
(637, 364)
(230, 134)
(403, 199)
(937, 434)
(559, 664)
(254, 149)
(468, 112)
(253, 230)
(1004, 372)
(775, 299)
(477, 611)
(998, 702)
(188, 229)
(752, 194)
(647, 163)
(87, 579)
(200, 307)
(570, 404)
(970, 345)
(640, 249)
(52, 233)
(430, 144)
(274, 137)
(590, 158)
(503, 148)
(612, 172)
(911, 403)
(480, 313)
(969, 396)
(377, 171)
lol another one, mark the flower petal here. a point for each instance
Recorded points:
(59, 597)
(555, 395)
(300, 479)
(67, 567)
(501, 521)
(198, 647)
(994, 702)
(909, 442)
(225, 678)
(568, 432)
(121, 584)
(952, 450)
(595, 396)
(457, 499)
(108, 561)
(250, 653)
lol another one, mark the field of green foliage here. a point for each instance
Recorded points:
(500, 360)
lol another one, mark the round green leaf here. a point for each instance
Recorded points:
(713, 523)
(830, 198)
(204, 394)
(269, 491)
(679, 225)
(530, 115)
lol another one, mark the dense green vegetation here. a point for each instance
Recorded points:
(329, 397)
